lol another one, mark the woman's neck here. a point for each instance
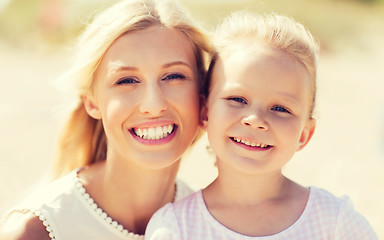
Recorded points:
(131, 194)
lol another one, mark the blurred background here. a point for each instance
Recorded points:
(345, 156)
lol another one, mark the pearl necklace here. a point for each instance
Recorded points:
(100, 213)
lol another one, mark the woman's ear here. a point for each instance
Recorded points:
(203, 112)
(91, 107)
(307, 133)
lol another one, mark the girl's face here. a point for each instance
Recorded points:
(258, 111)
(146, 94)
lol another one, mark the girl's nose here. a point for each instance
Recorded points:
(255, 121)
(153, 101)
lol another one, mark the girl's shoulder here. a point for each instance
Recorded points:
(326, 203)
(182, 190)
(339, 214)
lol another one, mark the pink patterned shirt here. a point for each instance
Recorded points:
(324, 217)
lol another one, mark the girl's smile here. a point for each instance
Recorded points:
(252, 145)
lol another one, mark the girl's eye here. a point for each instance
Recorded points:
(280, 109)
(127, 80)
(174, 76)
(237, 100)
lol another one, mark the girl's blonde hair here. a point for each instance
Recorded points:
(246, 30)
(82, 140)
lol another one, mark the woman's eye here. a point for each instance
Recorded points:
(174, 76)
(126, 81)
(237, 100)
(280, 109)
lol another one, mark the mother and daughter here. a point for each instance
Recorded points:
(143, 95)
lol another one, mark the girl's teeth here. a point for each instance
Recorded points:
(252, 144)
(154, 133)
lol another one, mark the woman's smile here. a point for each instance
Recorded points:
(154, 135)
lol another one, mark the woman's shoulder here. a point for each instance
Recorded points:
(49, 192)
(23, 225)
(27, 219)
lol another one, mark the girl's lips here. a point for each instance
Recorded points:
(250, 145)
(154, 136)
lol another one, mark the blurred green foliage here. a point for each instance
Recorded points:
(334, 22)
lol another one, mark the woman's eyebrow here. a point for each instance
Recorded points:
(176, 63)
(124, 68)
(116, 67)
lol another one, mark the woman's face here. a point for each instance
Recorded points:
(146, 94)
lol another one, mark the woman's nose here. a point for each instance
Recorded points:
(255, 121)
(153, 101)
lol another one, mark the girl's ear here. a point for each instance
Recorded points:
(307, 133)
(203, 112)
(91, 107)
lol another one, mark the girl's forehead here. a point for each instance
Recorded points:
(246, 70)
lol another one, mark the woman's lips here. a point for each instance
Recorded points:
(154, 135)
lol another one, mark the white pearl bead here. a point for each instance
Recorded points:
(114, 224)
(86, 196)
(99, 211)
(120, 227)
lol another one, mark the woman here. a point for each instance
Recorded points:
(138, 74)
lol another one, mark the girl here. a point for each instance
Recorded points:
(258, 114)
(138, 74)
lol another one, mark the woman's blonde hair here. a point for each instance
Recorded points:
(82, 140)
(246, 30)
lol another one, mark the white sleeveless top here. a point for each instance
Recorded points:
(68, 212)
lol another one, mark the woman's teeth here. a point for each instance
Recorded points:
(249, 143)
(153, 133)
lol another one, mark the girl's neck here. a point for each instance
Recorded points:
(130, 194)
(242, 189)
(255, 205)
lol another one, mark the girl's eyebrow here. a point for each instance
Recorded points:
(290, 98)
